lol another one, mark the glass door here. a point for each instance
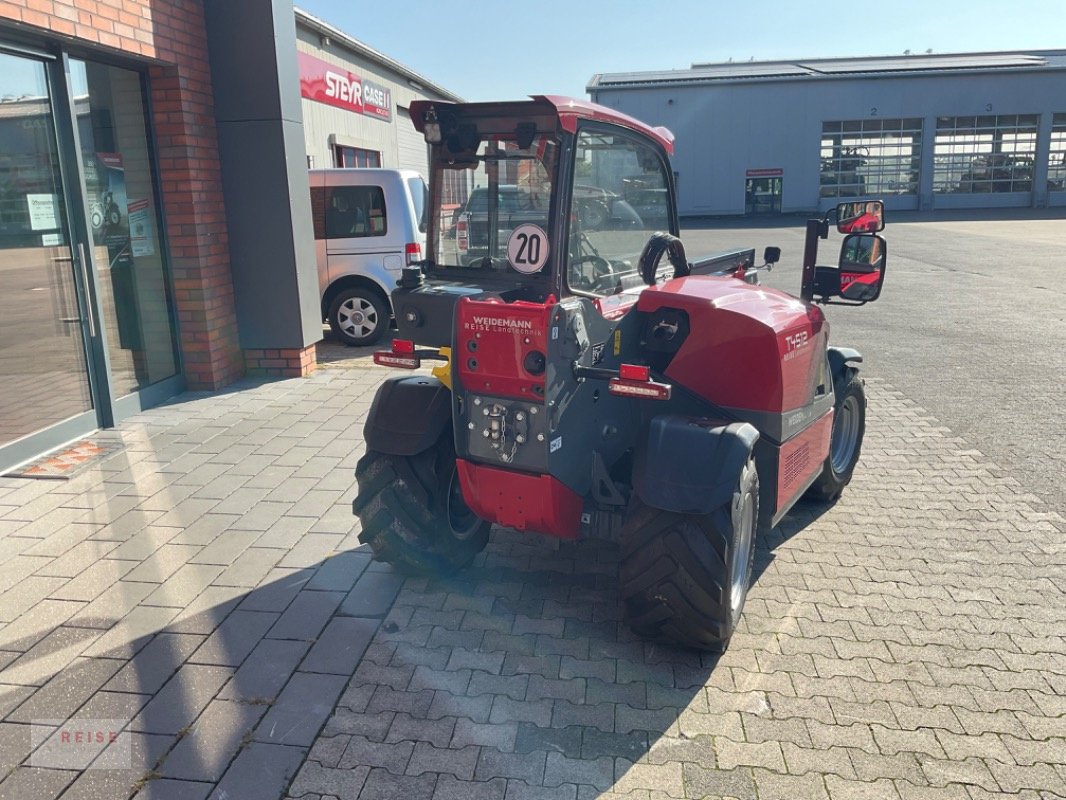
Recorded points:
(44, 315)
(127, 254)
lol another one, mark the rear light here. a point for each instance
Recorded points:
(461, 240)
(634, 372)
(383, 358)
(414, 252)
(649, 390)
(402, 355)
(634, 380)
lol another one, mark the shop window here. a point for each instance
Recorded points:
(870, 157)
(348, 212)
(993, 153)
(1056, 170)
(357, 157)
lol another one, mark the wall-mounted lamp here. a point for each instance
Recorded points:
(431, 126)
(325, 41)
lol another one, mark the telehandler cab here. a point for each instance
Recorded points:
(589, 386)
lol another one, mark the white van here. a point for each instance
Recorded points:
(369, 223)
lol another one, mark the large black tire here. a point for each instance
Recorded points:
(684, 577)
(358, 316)
(849, 427)
(412, 511)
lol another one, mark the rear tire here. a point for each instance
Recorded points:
(358, 316)
(849, 427)
(412, 510)
(684, 577)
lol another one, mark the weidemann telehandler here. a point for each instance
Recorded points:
(593, 381)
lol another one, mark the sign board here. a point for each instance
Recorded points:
(772, 172)
(44, 211)
(335, 86)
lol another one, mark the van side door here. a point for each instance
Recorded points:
(359, 236)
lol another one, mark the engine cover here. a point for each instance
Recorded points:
(751, 348)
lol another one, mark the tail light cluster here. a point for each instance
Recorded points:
(413, 250)
(634, 380)
(402, 355)
(462, 234)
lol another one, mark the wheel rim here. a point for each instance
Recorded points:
(845, 434)
(742, 541)
(463, 522)
(357, 317)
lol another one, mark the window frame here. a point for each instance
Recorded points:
(665, 168)
(885, 134)
(321, 202)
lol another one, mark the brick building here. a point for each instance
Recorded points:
(143, 249)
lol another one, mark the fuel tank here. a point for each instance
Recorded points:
(744, 347)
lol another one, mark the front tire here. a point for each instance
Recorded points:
(685, 577)
(358, 316)
(849, 427)
(413, 513)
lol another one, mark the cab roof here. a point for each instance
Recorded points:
(566, 110)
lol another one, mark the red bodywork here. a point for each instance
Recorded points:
(752, 348)
(870, 278)
(866, 223)
(521, 501)
(800, 457)
(493, 340)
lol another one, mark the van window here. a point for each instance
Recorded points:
(420, 195)
(348, 212)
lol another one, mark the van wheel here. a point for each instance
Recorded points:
(358, 317)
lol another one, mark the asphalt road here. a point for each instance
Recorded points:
(971, 326)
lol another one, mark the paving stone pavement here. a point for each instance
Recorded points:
(205, 592)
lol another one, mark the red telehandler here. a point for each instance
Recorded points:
(594, 381)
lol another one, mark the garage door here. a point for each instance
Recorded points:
(413, 152)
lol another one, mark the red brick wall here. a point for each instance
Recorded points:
(172, 31)
(292, 362)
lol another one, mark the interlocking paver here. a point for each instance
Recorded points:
(862, 668)
(181, 699)
(306, 616)
(260, 770)
(301, 708)
(205, 752)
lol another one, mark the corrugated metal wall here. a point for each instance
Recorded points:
(725, 129)
(326, 125)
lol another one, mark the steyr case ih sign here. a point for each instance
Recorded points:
(335, 86)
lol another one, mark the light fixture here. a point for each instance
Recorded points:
(431, 126)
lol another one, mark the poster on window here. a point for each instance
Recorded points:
(108, 211)
(142, 233)
(109, 215)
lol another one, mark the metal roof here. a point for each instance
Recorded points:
(348, 42)
(568, 110)
(830, 68)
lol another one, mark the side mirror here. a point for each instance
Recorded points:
(771, 255)
(864, 216)
(862, 266)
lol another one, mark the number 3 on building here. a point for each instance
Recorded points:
(527, 249)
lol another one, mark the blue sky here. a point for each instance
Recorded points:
(506, 50)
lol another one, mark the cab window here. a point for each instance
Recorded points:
(619, 198)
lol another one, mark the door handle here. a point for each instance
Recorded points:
(85, 267)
